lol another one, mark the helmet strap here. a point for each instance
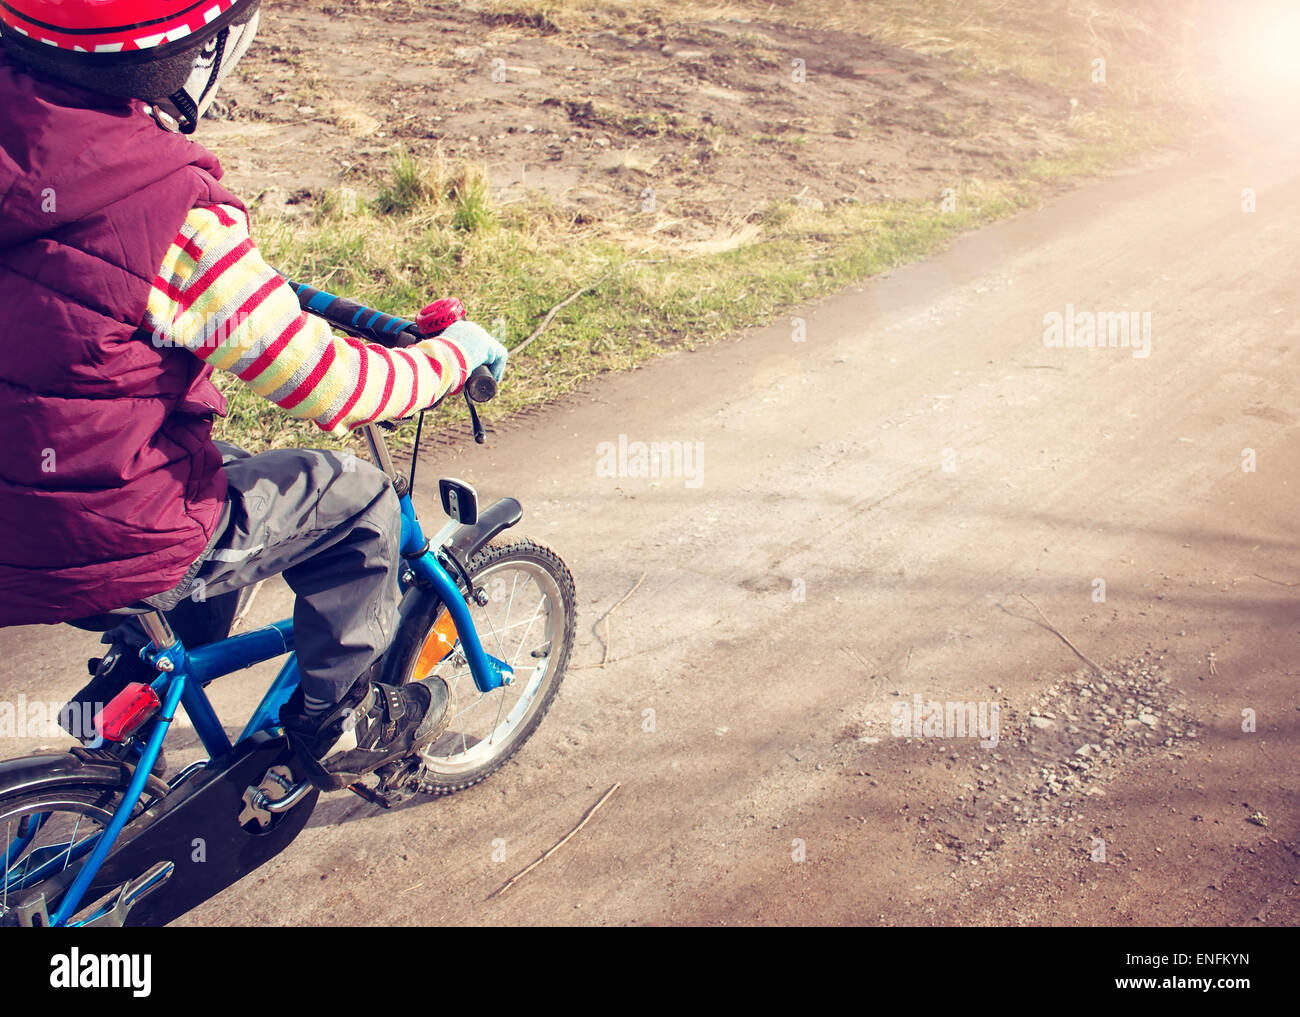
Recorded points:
(184, 103)
(188, 110)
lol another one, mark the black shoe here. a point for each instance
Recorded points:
(376, 724)
(110, 674)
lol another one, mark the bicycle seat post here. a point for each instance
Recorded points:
(156, 628)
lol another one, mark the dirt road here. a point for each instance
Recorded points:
(882, 511)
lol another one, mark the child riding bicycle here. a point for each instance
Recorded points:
(127, 274)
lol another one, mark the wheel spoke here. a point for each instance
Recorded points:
(27, 864)
(500, 706)
(487, 616)
(48, 831)
(540, 604)
(511, 602)
(477, 703)
(71, 841)
(515, 626)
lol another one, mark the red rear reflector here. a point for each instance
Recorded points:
(126, 711)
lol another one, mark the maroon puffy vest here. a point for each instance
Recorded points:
(110, 486)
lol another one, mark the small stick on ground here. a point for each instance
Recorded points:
(1059, 635)
(604, 659)
(1268, 580)
(562, 841)
(554, 310)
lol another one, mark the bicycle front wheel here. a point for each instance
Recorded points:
(528, 622)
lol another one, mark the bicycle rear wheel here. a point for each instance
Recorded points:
(48, 830)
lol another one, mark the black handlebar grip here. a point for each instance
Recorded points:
(481, 387)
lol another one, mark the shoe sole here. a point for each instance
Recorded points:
(342, 781)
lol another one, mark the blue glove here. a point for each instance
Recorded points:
(478, 346)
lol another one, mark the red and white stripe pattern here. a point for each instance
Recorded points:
(215, 296)
(149, 33)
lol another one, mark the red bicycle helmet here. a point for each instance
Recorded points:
(139, 49)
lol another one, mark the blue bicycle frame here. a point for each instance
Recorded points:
(183, 674)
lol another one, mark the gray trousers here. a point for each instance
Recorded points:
(331, 524)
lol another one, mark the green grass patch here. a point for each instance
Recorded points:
(432, 234)
(433, 229)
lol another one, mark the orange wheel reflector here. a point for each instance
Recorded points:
(439, 643)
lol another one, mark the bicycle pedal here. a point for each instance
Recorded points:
(393, 786)
(370, 795)
(397, 776)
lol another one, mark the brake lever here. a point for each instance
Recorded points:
(480, 436)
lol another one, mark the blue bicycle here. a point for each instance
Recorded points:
(93, 838)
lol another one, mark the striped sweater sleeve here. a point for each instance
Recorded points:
(215, 296)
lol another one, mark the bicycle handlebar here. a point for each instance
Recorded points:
(385, 329)
(357, 319)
